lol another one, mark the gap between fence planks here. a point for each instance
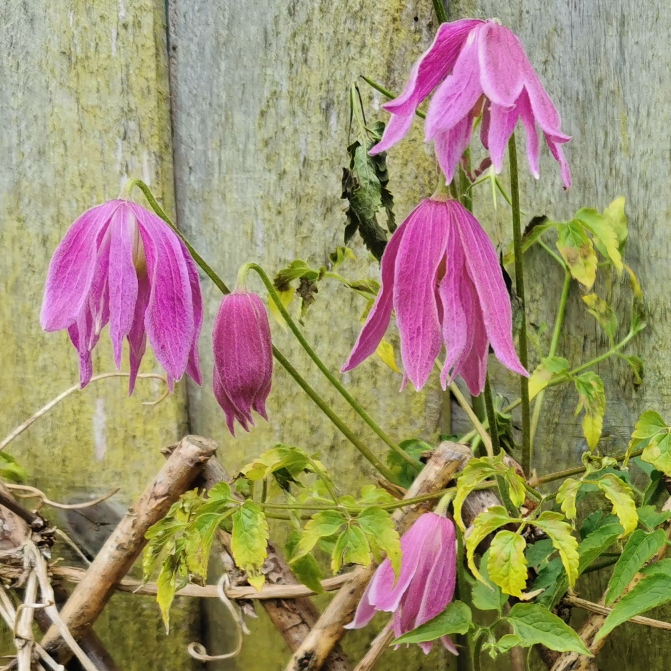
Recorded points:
(441, 467)
(284, 599)
(126, 542)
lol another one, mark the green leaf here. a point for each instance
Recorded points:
(651, 517)
(639, 549)
(559, 532)
(10, 469)
(534, 624)
(605, 237)
(566, 496)
(649, 424)
(372, 495)
(352, 547)
(553, 581)
(305, 568)
(537, 553)
(602, 312)
(323, 524)
(296, 270)
(661, 566)
(486, 522)
(550, 369)
(507, 565)
(620, 494)
(596, 543)
(578, 251)
(293, 459)
(508, 642)
(475, 472)
(617, 219)
(405, 472)
(593, 398)
(654, 590)
(173, 577)
(532, 233)
(379, 527)
(455, 619)
(249, 541)
(486, 595)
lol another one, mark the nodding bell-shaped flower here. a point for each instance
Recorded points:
(243, 358)
(426, 582)
(121, 264)
(441, 276)
(477, 67)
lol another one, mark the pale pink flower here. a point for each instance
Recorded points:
(426, 582)
(121, 264)
(477, 66)
(441, 276)
(243, 358)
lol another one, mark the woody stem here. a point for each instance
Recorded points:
(519, 288)
(300, 380)
(324, 369)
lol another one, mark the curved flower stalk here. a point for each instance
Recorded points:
(441, 275)
(477, 68)
(243, 358)
(121, 264)
(426, 582)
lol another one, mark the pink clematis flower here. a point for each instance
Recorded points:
(477, 67)
(243, 358)
(426, 582)
(121, 264)
(441, 275)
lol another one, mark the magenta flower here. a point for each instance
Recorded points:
(243, 358)
(121, 264)
(477, 66)
(426, 582)
(441, 275)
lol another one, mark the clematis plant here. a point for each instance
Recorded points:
(442, 284)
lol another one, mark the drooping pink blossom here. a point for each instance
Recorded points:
(425, 584)
(477, 67)
(441, 276)
(243, 358)
(121, 264)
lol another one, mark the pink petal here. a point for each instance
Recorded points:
(364, 612)
(484, 126)
(227, 405)
(122, 278)
(137, 336)
(378, 318)
(193, 365)
(420, 254)
(558, 153)
(451, 144)
(483, 268)
(529, 122)
(457, 95)
(426, 74)
(71, 268)
(502, 64)
(447, 642)
(502, 123)
(455, 323)
(169, 318)
(543, 108)
(472, 366)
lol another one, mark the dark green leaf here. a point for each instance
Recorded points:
(539, 552)
(485, 594)
(651, 517)
(455, 619)
(305, 568)
(402, 470)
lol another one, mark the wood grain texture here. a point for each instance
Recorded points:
(83, 106)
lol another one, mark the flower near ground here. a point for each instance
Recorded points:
(425, 584)
(120, 264)
(243, 358)
(441, 276)
(477, 68)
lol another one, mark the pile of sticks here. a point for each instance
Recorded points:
(67, 618)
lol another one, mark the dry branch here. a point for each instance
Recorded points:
(126, 542)
(444, 462)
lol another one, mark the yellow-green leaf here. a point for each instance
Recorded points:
(592, 397)
(604, 234)
(507, 565)
(566, 496)
(486, 522)
(351, 548)
(658, 452)
(516, 489)
(602, 312)
(549, 368)
(249, 541)
(617, 219)
(323, 524)
(559, 532)
(286, 296)
(620, 494)
(578, 251)
(379, 528)
(385, 351)
(475, 472)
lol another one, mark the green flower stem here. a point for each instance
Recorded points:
(281, 359)
(324, 369)
(491, 416)
(479, 428)
(519, 288)
(439, 8)
(387, 93)
(559, 322)
(326, 480)
(553, 254)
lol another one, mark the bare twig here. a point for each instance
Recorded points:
(126, 542)
(23, 630)
(34, 492)
(604, 610)
(55, 401)
(377, 648)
